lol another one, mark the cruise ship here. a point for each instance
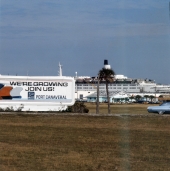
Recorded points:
(86, 85)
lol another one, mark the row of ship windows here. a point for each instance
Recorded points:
(109, 88)
(103, 87)
(109, 85)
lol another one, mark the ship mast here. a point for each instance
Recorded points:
(60, 70)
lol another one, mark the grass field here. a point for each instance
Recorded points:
(133, 108)
(84, 143)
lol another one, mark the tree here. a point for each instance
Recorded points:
(138, 97)
(97, 101)
(160, 98)
(78, 107)
(131, 98)
(107, 75)
(146, 97)
(151, 97)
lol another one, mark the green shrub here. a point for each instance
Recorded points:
(78, 107)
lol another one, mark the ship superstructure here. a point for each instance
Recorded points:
(88, 85)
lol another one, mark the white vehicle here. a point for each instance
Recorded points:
(163, 108)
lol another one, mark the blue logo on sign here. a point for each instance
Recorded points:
(31, 95)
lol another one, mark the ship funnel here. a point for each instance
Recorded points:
(105, 62)
(106, 66)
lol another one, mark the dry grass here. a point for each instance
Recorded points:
(133, 108)
(84, 143)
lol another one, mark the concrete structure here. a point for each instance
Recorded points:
(114, 97)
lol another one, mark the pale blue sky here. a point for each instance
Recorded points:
(133, 35)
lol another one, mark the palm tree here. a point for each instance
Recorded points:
(108, 76)
(151, 97)
(160, 98)
(97, 101)
(146, 97)
(131, 98)
(138, 97)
